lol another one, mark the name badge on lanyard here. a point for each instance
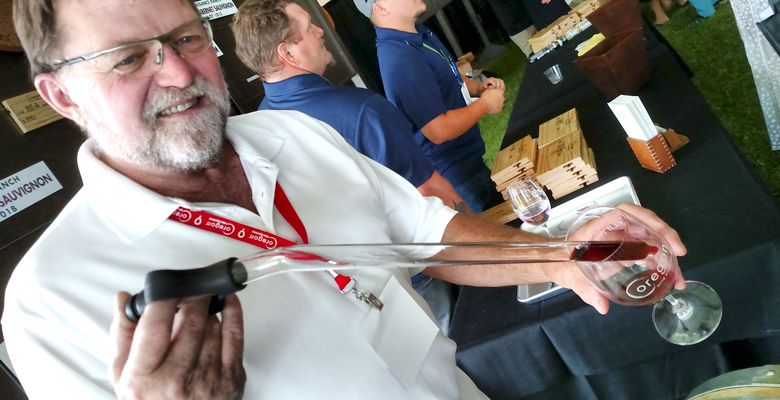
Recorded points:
(464, 90)
(402, 334)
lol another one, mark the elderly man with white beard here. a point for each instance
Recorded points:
(141, 78)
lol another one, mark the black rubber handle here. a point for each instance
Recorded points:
(220, 278)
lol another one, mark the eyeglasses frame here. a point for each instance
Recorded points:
(162, 39)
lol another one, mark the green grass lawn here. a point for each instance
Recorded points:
(510, 66)
(713, 49)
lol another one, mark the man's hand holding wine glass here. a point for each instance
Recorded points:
(575, 280)
(630, 255)
(649, 218)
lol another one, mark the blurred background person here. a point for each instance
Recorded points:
(421, 78)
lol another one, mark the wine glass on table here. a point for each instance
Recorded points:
(529, 201)
(645, 274)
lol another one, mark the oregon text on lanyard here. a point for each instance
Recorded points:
(267, 240)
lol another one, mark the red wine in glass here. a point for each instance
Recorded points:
(611, 251)
(636, 285)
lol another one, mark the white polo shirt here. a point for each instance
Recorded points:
(302, 336)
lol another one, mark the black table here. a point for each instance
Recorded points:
(562, 349)
(538, 100)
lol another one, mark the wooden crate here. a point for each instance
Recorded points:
(564, 173)
(586, 7)
(582, 162)
(565, 162)
(559, 127)
(544, 37)
(574, 185)
(502, 213)
(558, 153)
(514, 160)
(526, 172)
(568, 21)
(556, 29)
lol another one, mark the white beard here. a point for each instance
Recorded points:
(181, 145)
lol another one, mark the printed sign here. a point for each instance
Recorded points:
(25, 188)
(30, 111)
(213, 9)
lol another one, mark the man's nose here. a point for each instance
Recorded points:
(175, 71)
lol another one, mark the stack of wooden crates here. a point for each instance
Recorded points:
(565, 162)
(559, 159)
(514, 162)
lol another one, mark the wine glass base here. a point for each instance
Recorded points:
(694, 326)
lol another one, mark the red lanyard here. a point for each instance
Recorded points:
(257, 237)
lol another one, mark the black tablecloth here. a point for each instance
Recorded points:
(561, 348)
(538, 100)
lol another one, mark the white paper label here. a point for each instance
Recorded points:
(464, 90)
(633, 116)
(216, 48)
(213, 9)
(401, 334)
(358, 81)
(25, 188)
(766, 13)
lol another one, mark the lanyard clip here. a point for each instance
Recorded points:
(348, 284)
(369, 299)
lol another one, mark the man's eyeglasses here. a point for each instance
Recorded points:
(145, 57)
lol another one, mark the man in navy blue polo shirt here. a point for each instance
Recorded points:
(292, 77)
(420, 77)
(277, 39)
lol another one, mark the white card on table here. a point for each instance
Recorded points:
(633, 116)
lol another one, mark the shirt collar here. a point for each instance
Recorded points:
(409, 37)
(131, 210)
(294, 84)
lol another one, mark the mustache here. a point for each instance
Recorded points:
(163, 98)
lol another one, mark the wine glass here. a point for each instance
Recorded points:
(681, 317)
(529, 201)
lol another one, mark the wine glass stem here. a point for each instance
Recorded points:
(681, 308)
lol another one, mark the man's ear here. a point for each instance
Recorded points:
(285, 55)
(56, 95)
(378, 9)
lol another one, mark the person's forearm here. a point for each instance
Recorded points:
(440, 187)
(453, 123)
(470, 228)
